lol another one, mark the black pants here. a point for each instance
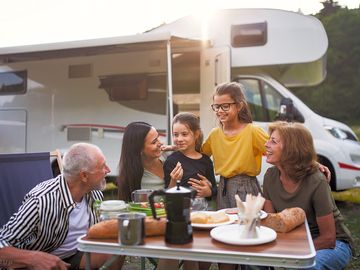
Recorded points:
(74, 260)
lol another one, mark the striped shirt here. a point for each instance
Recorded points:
(42, 221)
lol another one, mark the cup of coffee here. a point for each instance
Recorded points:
(141, 195)
(131, 228)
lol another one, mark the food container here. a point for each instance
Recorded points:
(111, 208)
(141, 195)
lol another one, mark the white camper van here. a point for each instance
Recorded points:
(52, 95)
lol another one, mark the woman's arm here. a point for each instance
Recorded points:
(268, 207)
(327, 230)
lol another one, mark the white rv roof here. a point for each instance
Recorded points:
(291, 37)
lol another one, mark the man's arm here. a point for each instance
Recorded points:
(11, 257)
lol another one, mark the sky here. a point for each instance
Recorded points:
(45, 21)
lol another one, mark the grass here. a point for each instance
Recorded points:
(356, 129)
(351, 213)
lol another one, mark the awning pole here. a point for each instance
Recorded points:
(170, 92)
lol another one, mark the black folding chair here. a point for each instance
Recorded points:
(19, 173)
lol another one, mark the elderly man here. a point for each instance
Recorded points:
(43, 233)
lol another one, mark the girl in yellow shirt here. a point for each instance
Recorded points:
(236, 145)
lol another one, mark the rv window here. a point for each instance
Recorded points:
(13, 82)
(125, 87)
(253, 97)
(272, 101)
(247, 35)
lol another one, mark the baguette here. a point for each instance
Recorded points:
(286, 220)
(108, 229)
(154, 227)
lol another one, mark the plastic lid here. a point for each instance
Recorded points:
(112, 205)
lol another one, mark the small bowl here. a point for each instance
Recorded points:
(113, 205)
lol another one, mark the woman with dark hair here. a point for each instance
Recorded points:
(141, 161)
(141, 167)
(295, 181)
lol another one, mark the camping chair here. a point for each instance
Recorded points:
(19, 173)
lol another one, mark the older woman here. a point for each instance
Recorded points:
(295, 181)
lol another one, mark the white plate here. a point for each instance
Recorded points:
(232, 218)
(231, 234)
(263, 214)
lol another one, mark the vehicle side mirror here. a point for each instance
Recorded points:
(288, 112)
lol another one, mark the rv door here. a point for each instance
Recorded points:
(214, 69)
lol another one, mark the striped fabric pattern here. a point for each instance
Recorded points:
(42, 221)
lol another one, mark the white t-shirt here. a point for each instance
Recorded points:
(78, 225)
(152, 181)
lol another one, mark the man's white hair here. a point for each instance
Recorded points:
(79, 157)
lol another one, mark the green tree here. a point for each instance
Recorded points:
(330, 7)
(338, 96)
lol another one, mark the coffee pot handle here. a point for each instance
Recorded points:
(155, 193)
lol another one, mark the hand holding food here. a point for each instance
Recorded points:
(176, 174)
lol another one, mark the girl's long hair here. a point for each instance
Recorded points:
(131, 168)
(192, 121)
(236, 91)
(298, 157)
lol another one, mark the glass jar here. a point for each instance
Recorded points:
(111, 208)
(199, 204)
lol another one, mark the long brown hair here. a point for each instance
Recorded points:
(193, 123)
(131, 168)
(298, 157)
(236, 91)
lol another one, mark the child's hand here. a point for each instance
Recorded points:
(176, 174)
(202, 186)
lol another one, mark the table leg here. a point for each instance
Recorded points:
(142, 265)
(87, 260)
(109, 262)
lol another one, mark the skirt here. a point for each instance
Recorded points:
(239, 184)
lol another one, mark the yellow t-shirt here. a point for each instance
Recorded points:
(238, 154)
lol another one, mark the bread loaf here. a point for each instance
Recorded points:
(198, 217)
(286, 220)
(218, 217)
(155, 227)
(108, 229)
(207, 218)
